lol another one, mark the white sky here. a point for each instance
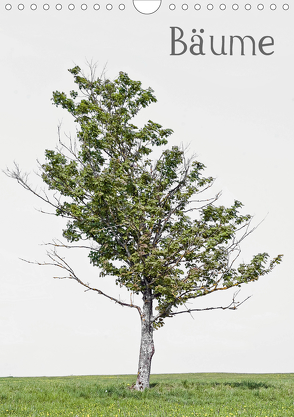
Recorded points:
(236, 113)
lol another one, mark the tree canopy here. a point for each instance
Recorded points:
(136, 210)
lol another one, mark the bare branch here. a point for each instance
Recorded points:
(58, 261)
(232, 306)
(22, 179)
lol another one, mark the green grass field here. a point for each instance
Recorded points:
(178, 395)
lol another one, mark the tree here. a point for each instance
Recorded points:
(142, 218)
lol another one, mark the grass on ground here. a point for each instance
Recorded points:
(178, 395)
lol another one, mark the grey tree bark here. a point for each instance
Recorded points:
(147, 345)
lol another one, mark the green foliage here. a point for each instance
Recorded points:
(177, 395)
(135, 210)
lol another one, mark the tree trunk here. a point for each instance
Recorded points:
(147, 345)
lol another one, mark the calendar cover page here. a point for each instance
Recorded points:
(147, 162)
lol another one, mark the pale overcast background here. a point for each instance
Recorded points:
(237, 114)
